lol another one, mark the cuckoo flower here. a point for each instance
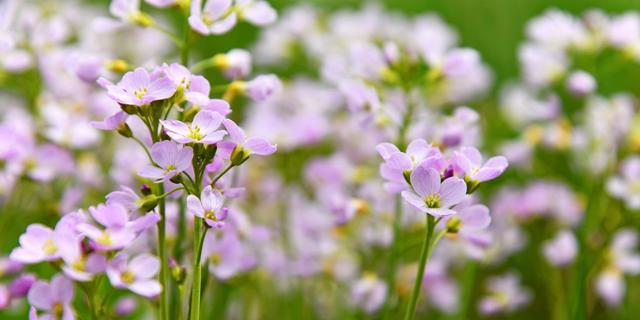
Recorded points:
(623, 259)
(40, 243)
(79, 266)
(263, 86)
(506, 295)
(258, 13)
(369, 293)
(194, 87)
(54, 298)
(203, 129)
(398, 165)
(208, 207)
(235, 64)
(242, 147)
(135, 275)
(118, 232)
(171, 159)
(562, 249)
(216, 17)
(468, 162)
(432, 196)
(626, 186)
(113, 122)
(470, 223)
(138, 88)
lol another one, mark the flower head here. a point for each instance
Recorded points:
(138, 88)
(203, 129)
(52, 297)
(170, 159)
(136, 275)
(432, 196)
(208, 207)
(216, 17)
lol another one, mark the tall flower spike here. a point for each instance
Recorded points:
(203, 129)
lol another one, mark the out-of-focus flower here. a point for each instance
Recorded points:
(581, 83)
(54, 298)
(369, 293)
(216, 17)
(236, 64)
(621, 259)
(626, 186)
(470, 223)
(136, 275)
(263, 86)
(259, 13)
(505, 295)
(431, 196)
(562, 249)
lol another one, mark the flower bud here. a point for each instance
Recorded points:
(148, 203)
(472, 185)
(145, 190)
(117, 65)
(124, 130)
(239, 155)
(142, 19)
(453, 225)
(177, 179)
(21, 285)
(178, 273)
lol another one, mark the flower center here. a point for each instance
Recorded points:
(194, 133)
(139, 93)
(105, 239)
(210, 215)
(57, 310)
(169, 168)
(206, 18)
(78, 265)
(49, 247)
(127, 277)
(454, 224)
(215, 259)
(432, 200)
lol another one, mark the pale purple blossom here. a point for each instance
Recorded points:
(369, 293)
(216, 17)
(468, 163)
(138, 88)
(203, 129)
(432, 196)
(136, 275)
(263, 86)
(258, 13)
(171, 159)
(239, 143)
(112, 122)
(208, 207)
(562, 249)
(623, 259)
(54, 298)
(581, 83)
(470, 223)
(505, 295)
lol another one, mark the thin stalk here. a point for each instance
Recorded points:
(198, 238)
(221, 174)
(162, 255)
(424, 256)
(144, 147)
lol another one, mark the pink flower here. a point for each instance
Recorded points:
(54, 298)
(136, 275)
(258, 13)
(242, 147)
(170, 160)
(208, 207)
(215, 18)
(431, 196)
(203, 129)
(468, 162)
(263, 86)
(40, 243)
(138, 88)
(562, 249)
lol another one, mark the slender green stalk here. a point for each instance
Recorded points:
(198, 238)
(427, 248)
(222, 174)
(162, 255)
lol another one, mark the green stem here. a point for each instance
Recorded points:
(198, 238)
(162, 255)
(144, 147)
(221, 174)
(393, 258)
(424, 256)
(201, 65)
